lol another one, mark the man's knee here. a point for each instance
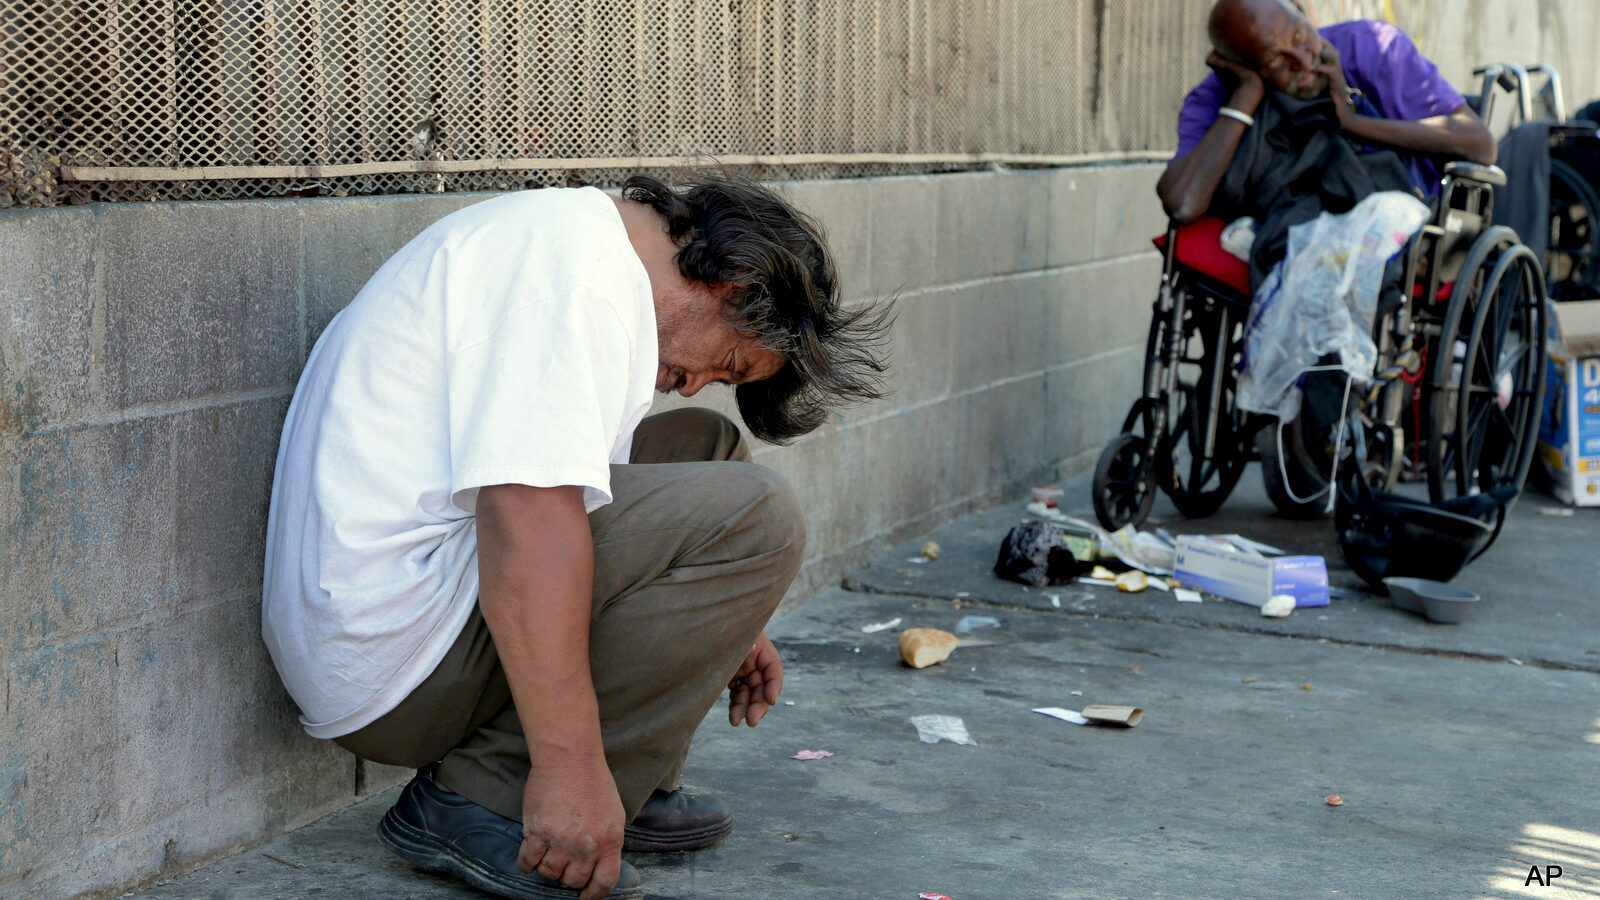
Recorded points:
(691, 434)
(774, 511)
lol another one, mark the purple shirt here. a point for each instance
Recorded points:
(1379, 60)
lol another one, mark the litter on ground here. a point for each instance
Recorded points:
(922, 647)
(968, 623)
(933, 729)
(1065, 715)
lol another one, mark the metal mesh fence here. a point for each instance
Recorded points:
(213, 99)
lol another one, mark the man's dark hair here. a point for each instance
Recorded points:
(731, 231)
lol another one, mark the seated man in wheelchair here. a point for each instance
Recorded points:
(1341, 128)
(1321, 147)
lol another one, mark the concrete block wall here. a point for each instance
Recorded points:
(147, 356)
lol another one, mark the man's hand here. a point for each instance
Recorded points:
(1338, 88)
(755, 687)
(1245, 87)
(572, 828)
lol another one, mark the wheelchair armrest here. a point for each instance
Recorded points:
(1465, 171)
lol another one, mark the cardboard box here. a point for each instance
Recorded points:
(1569, 432)
(1219, 568)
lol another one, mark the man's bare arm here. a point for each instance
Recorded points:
(536, 571)
(1191, 180)
(1458, 135)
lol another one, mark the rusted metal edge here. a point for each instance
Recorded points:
(429, 167)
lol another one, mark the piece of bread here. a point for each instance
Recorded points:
(922, 647)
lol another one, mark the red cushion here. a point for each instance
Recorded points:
(1200, 249)
(1444, 291)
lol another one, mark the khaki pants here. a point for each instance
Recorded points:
(691, 559)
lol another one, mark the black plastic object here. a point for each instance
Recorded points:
(1385, 535)
(1035, 553)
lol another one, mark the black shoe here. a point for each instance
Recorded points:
(445, 832)
(677, 821)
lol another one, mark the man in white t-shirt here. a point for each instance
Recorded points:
(486, 562)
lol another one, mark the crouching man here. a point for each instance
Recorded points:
(484, 560)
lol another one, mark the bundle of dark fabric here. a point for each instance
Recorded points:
(1034, 553)
(1293, 165)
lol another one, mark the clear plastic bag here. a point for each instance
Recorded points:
(1320, 300)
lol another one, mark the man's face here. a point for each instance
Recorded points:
(1283, 47)
(698, 345)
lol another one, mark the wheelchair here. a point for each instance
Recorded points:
(1572, 258)
(1455, 395)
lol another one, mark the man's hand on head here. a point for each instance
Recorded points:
(1338, 89)
(755, 687)
(1246, 90)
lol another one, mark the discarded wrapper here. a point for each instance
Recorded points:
(876, 627)
(933, 729)
(928, 896)
(968, 623)
(812, 754)
(1114, 715)
(1065, 715)
(1139, 549)
(1278, 606)
(1050, 497)
(1133, 581)
(922, 647)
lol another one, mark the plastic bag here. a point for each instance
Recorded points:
(1321, 298)
(933, 729)
(1239, 237)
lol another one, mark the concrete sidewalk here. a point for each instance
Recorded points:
(1465, 754)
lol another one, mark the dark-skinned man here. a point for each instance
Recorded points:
(1388, 96)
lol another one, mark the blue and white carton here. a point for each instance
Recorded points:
(1218, 566)
(1569, 432)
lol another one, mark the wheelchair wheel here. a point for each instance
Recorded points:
(1295, 475)
(1572, 262)
(1199, 484)
(1488, 381)
(1124, 479)
(1197, 479)
(1297, 457)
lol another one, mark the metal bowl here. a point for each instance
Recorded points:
(1438, 601)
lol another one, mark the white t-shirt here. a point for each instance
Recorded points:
(511, 342)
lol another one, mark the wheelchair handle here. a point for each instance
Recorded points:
(1511, 78)
(1552, 91)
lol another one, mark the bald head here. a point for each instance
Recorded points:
(1236, 26)
(1273, 38)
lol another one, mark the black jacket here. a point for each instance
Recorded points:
(1293, 165)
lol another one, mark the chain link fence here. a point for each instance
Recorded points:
(218, 99)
